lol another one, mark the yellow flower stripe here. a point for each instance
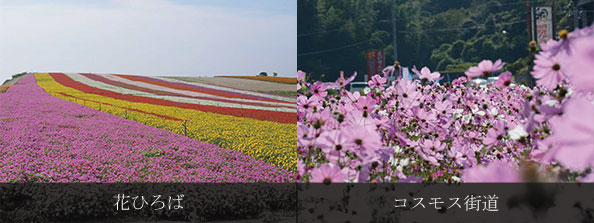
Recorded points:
(275, 143)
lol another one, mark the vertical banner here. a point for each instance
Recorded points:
(406, 74)
(380, 61)
(375, 62)
(370, 63)
(544, 24)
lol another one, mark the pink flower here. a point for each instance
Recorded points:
(588, 178)
(573, 134)
(365, 104)
(319, 89)
(580, 65)
(425, 73)
(547, 70)
(494, 172)
(300, 79)
(306, 104)
(459, 81)
(495, 134)
(504, 79)
(443, 107)
(364, 139)
(300, 167)
(341, 82)
(327, 173)
(330, 141)
(432, 151)
(300, 75)
(388, 71)
(377, 82)
(484, 67)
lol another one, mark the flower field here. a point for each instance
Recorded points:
(282, 80)
(259, 125)
(424, 131)
(46, 139)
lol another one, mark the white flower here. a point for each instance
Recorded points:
(457, 112)
(569, 92)
(466, 118)
(517, 133)
(404, 162)
(455, 178)
(383, 112)
(477, 111)
(494, 112)
(366, 90)
(551, 103)
(397, 149)
(393, 161)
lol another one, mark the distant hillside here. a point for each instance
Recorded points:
(333, 35)
(15, 78)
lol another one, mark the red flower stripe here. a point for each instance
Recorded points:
(131, 109)
(282, 117)
(158, 92)
(179, 87)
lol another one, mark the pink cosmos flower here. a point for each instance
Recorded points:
(426, 116)
(365, 103)
(573, 134)
(568, 42)
(333, 141)
(425, 73)
(300, 75)
(588, 178)
(432, 151)
(306, 104)
(459, 81)
(362, 138)
(342, 82)
(388, 71)
(319, 89)
(580, 65)
(548, 70)
(300, 79)
(443, 107)
(327, 173)
(377, 82)
(300, 168)
(495, 134)
(504, 79)
(460, 158)
(494, 172)
(484, 67)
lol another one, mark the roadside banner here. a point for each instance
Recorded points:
(544, 24)
(375, 62)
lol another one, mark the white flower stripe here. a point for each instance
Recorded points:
(281, 98)
(85, 80)
(189, 93)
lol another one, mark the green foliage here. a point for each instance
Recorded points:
(333, 35)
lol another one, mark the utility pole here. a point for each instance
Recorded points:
(575, 15)
(394, 30)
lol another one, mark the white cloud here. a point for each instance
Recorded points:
(147, 37)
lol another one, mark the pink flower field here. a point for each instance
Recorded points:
(47, 139)
(424, 131)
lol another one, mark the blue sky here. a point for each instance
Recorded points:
(149, 37)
